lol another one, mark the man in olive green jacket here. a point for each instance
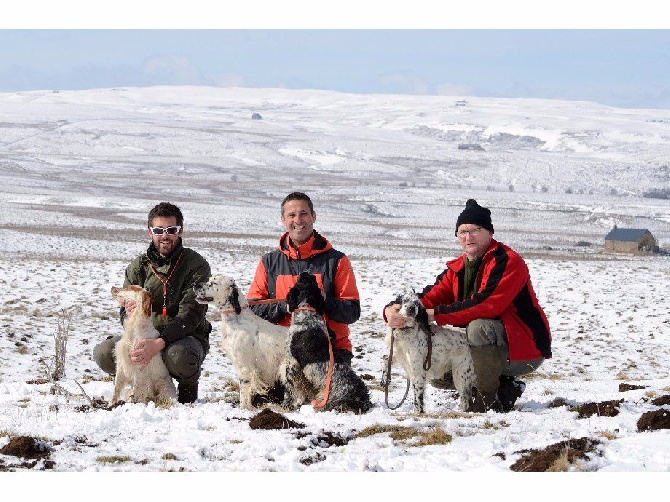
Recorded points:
(168, 271)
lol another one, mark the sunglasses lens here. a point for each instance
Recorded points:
(157, 230)
(172, 230)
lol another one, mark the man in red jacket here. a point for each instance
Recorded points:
(488, 291)
(301, 248)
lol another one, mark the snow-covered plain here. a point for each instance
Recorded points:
(79, 171)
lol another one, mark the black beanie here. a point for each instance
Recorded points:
(476, 215)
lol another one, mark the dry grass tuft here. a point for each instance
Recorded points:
(113, 459)
(435, 436)
(396, 431)
(607, 434)
(561, 464)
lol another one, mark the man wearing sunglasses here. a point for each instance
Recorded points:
(168, 271)
(488, 292)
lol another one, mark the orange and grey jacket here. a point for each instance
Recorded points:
(278, 271)
(502, 291)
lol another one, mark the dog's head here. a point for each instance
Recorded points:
(220, 291)
(306, 292)
(412, 308)
(137, 294)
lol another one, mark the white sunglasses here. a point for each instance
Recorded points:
(167, 230)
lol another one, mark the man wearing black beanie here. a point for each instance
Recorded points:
(488, 292)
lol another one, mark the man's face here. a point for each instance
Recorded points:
(298, 220)
(164, 242)
(473, 239)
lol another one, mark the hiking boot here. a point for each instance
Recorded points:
(484, 401)
(509, 391)
(446, 382)
(187, 392)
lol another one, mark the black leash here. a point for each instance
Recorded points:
(388, 380)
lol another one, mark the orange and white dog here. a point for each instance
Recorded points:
(153, 382)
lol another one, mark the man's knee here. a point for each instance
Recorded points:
(482, 332)
(103, 354)
(183, 359)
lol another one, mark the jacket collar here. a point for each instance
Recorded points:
(316, 244)
(458, 263)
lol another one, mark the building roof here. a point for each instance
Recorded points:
(626, 234)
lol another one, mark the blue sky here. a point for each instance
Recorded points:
(621, 67)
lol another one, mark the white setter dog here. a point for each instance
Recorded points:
(153, 382)
(448, 349)
(308, 357)
(255, 346)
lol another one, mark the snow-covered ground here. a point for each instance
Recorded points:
(80, 170)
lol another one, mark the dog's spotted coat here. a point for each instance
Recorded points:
(307, 356)
(255, 346)
(450, 352)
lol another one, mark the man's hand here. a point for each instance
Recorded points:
(393, 319)
(129, 306)
(145, 350)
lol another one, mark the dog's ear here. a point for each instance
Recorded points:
(146, 303)
(235, 298)
(292, 298)
(422, 318)
(318, 302)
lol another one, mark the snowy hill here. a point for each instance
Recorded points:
(579, 166)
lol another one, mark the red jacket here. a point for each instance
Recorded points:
(503, 291)
(278, 271)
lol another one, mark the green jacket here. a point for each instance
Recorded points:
(185, 316)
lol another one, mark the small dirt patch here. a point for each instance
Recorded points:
(327, 439)
(555, 457)
(661, 400)
(625, 387)
(654, 420)
(557, 402)
(602, 409)
(268, 419)
(37, 381)
(26, 447)
(313, 458)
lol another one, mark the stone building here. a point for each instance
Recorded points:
(637, 241)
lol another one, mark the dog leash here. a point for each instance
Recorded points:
(329, 377)
(331, 364)
(429, 356)
(388, 381)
